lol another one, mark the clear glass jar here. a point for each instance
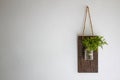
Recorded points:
(88, 55)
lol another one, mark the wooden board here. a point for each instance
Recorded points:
(86, 66)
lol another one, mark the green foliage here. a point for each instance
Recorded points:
(92, 43)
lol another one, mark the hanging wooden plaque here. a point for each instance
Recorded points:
(86, 66)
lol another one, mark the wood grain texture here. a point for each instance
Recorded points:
(86, 66)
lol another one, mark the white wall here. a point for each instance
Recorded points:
(38, 39)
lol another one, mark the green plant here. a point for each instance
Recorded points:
(93, 42)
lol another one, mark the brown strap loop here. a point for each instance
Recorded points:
(88, 11)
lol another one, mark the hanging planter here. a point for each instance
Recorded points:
(88, 48)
